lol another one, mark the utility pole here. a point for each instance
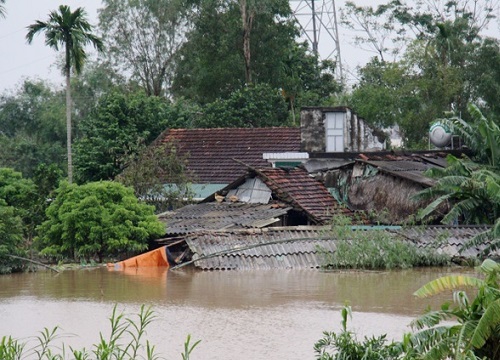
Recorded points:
(318, 23)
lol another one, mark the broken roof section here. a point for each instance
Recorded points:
(210, 152)
(261, 198)
(297, 188)
(220, 216)
(292, 186)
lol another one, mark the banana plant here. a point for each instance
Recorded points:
(474, 330)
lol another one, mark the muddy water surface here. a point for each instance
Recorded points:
(238, 315)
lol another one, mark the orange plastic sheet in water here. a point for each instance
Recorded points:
(154, 258)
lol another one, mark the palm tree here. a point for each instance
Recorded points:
(470, 192)
(71, 31)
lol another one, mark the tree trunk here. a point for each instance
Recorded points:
(68, 117)
(247, 21)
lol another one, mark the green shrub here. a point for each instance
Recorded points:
(96, 220)
(345, 345)
(377, 249)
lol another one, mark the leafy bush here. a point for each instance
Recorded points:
(96, 220)
(11, 236)
(375, 249)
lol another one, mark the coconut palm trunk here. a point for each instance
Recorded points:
(68, 124)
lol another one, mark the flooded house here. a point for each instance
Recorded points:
(267, 197)
(261, 207)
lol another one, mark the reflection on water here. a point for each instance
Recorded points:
(237, 315)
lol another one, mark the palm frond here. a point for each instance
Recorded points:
(433, 206)
(430, 319)
(487, 325)
(446, 283)
(436, 342)
(468, 208)
(489, 266)
(489, 240)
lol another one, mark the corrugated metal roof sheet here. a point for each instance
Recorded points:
(218, 216)
(285, 248)
(266, 250)
(446, 239)
(412, 170)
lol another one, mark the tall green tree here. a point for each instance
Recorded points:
(212, 63)
(71, 31)
(119, 127)
(32, 128)
(144, 37)
(438, 53)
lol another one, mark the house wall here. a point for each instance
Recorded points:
(358, 136)
(386, 198)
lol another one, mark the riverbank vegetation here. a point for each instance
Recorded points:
(126, 340)
(467, 329)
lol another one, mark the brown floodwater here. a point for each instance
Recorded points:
(236, 314)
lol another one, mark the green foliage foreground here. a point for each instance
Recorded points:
(473, 333)
(126, 341)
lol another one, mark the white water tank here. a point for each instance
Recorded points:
(440, 135)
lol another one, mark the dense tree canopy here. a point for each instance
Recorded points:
(115, 130)
(441, 63)
(11, 239)
(20, 202)
(252, 106)
(32, 128)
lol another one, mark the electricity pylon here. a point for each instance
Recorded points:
(318, 22)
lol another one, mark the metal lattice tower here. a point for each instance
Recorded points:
(318, 22)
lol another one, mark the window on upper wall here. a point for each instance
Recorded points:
(334, 131)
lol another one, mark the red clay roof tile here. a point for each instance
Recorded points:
(297, 188)
(211, 151)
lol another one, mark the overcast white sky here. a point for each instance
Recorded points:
(18, 60)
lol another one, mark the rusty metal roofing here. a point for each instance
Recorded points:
(219, 216)
(298, 248)
(211, 152)
(412, 170)
(297, 188)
